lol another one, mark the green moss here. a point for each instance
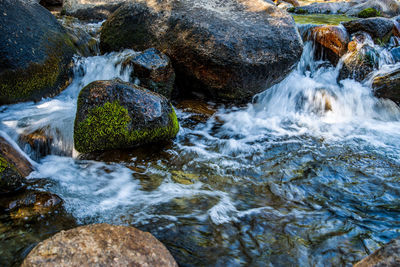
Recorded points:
(3, 164)
(321, 19)
(291, 10)
(368, 13)
(107, 127)
(37, 80)
(300, 11)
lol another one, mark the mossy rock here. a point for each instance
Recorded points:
(115, 114)
(35, 52)
(369, 13)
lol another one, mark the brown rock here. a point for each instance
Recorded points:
(39, 142)
(331, 42)
(31, 204)
(201, 110)
(13, 167)
(386, 256)
(100, 245)
(388, 86)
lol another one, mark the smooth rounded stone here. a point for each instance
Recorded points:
(91, 10)
(331, 42)
(30, 204)
(35, 52)
(388, 86)
(100, 245)
(386, 256)
(361, 59)
(230, 50)
(154, 71)
(116, 115)
(377, 28)
(14, 167)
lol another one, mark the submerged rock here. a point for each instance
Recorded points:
(38, 141)
(13, 167)
(388, 86)
(100, 245)
(35, 52)
(31, 204)
(154, 70)
(386, 256)
(331, 42)
(115, 114)
(377, 28)
(230, 50)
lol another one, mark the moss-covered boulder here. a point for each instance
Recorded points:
(153, 69)
(229, 50)
(369, 13)
(35, 52)
(380, 29)
(115, 114)
(13, 168)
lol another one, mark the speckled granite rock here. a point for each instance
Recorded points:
(100, 245)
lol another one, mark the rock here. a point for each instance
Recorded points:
(154, 70)
(13, 167)
(386, 8)
(31, 204)
(369, 13)
(92, 10)
(388, 86)
(395, 52)
(115, 114)
(47, 3)
(294, 3)
(377, 28)
(38, 141)
(200, 111)
(331, 42)
(100, 245)
(361, 59)
(35, 52)
(230, 50)
(386, 256)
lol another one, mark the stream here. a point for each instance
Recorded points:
(306, 175)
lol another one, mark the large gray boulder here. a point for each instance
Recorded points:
(100, 245)
(92, 10)
(229, 49)
(35, 52)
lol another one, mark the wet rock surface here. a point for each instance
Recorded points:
(154, 70)
(91, 10)
(35, 52)
(388, 86)
(231, 50)
(13, 167)
(376, 27)
(115, 114)
(103, 245)
(331, 42)
(386, 256)
(39, 143)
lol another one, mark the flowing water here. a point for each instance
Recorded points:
(307, 175)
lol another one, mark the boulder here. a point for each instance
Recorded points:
(388, 86)
(50, 3)
(230, 50)
(361, 59)
(377, 28)
(91, 10)
(13, 167)
(100, 245)
(386, 8)
(115, 114)
(386, 256)
(35, 52)
(153, 69)
(39, 143)
(330, 42)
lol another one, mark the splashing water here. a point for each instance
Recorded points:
(306, 175)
